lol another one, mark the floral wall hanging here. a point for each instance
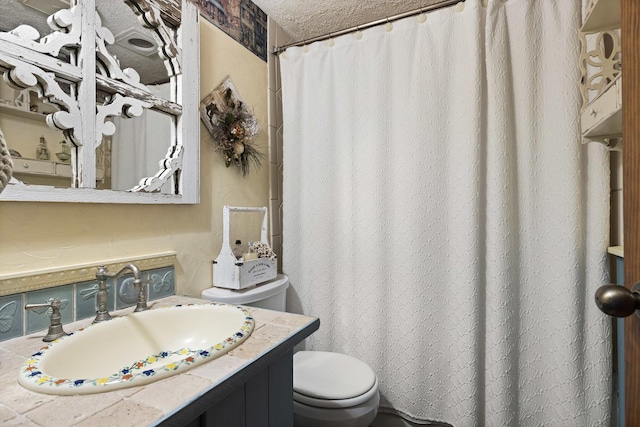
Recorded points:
(233, 127)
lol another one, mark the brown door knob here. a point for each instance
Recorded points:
(617, 301)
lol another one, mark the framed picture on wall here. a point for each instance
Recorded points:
(240, 19)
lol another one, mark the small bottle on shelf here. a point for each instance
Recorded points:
(42, 153)
(237, 249)
(250, 254)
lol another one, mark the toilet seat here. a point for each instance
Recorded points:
(337, 403)
(332, 380)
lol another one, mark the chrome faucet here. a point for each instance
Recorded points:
(102, 295)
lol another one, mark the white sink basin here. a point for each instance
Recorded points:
(136, 349)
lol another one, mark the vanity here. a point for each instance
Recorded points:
(249, 386)
(94, 93)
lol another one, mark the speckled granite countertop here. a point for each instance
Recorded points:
(137, 406)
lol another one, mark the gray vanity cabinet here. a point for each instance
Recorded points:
(259, 395)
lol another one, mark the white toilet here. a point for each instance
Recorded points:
(329, 389)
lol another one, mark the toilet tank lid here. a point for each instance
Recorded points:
(326, 375)
(247, 295)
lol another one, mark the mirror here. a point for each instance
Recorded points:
(135, 82)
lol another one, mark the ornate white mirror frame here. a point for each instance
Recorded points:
(28, 61)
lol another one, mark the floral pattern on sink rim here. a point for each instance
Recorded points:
(137, 369)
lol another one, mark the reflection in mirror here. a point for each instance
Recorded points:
(134, 46)
(139, 144)
(145, 100)
(35, 147)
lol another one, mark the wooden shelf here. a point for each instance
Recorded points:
(602, 118)
(605, 15)
(15, 111)
(26, 166)
(616, 251)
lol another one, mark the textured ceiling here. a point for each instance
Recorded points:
(116, 16)
(304, 19)
(301, 19)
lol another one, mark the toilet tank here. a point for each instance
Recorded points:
(271, 295)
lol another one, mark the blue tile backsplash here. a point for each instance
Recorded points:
(78, 301)
(127, 294)
(161, 283)
(11, 317)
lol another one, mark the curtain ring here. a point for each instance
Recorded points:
(388, 26)
(422, 17)
(331, 42)
(358, 33)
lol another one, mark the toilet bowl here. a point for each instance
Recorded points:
(333, 389)
(329, 389)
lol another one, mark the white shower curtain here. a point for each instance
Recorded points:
(442, 218)
(140, 143)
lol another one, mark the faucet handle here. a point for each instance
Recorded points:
(141, 305)
(55, 327)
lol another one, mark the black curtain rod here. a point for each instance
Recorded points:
(430, 8)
